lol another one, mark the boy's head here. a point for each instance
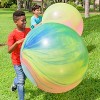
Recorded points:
(19, 19)
(36, 9)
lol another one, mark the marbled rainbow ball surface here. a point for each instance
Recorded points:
(54, 57)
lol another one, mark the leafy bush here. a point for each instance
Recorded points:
(80, 8)
(13, 6)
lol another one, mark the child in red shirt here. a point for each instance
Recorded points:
(15, 40)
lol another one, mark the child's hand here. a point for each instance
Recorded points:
(20, 41)
(12, 47)
(40, 23)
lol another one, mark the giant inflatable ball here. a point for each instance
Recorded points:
(54, 57)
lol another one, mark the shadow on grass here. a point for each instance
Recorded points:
(6, 12)
(2, 45)
(7, 9)
(91, 24)
(91, 48)
(88, 89)
(34, 93)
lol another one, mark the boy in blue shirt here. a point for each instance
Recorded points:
(36, 18)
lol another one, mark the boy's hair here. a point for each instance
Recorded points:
(36, 7)
(17, 14)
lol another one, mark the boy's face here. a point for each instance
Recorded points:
(21, 22)
(37, 11)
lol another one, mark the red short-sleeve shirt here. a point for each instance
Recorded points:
(14, 36)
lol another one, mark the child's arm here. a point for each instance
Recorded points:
(37, 24)
(34, 24)
(12, 47)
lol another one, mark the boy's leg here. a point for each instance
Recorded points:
(14, 85)
(20, 81)
(15, 81)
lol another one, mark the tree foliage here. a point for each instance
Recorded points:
(8, 3)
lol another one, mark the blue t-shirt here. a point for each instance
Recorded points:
(35, 21)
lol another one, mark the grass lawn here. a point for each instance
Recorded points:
(88, 89)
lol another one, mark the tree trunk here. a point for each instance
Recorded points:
(94, 5)
(77, 2)
(42, 6)
(87, 6)
(25, 5)
(18, 4)
(99, 5)
(29, 5)
(83, 3)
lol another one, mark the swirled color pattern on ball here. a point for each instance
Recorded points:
(54, 57)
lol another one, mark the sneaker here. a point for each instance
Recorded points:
(13, 87)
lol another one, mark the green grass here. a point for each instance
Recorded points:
(88, 89)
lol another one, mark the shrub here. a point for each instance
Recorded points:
(13, 6)
(80, 8)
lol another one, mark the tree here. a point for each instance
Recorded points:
(7, 3)
(99, 5)
(87, 6)
(24, 3)
(18, 4)
(4, 2)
